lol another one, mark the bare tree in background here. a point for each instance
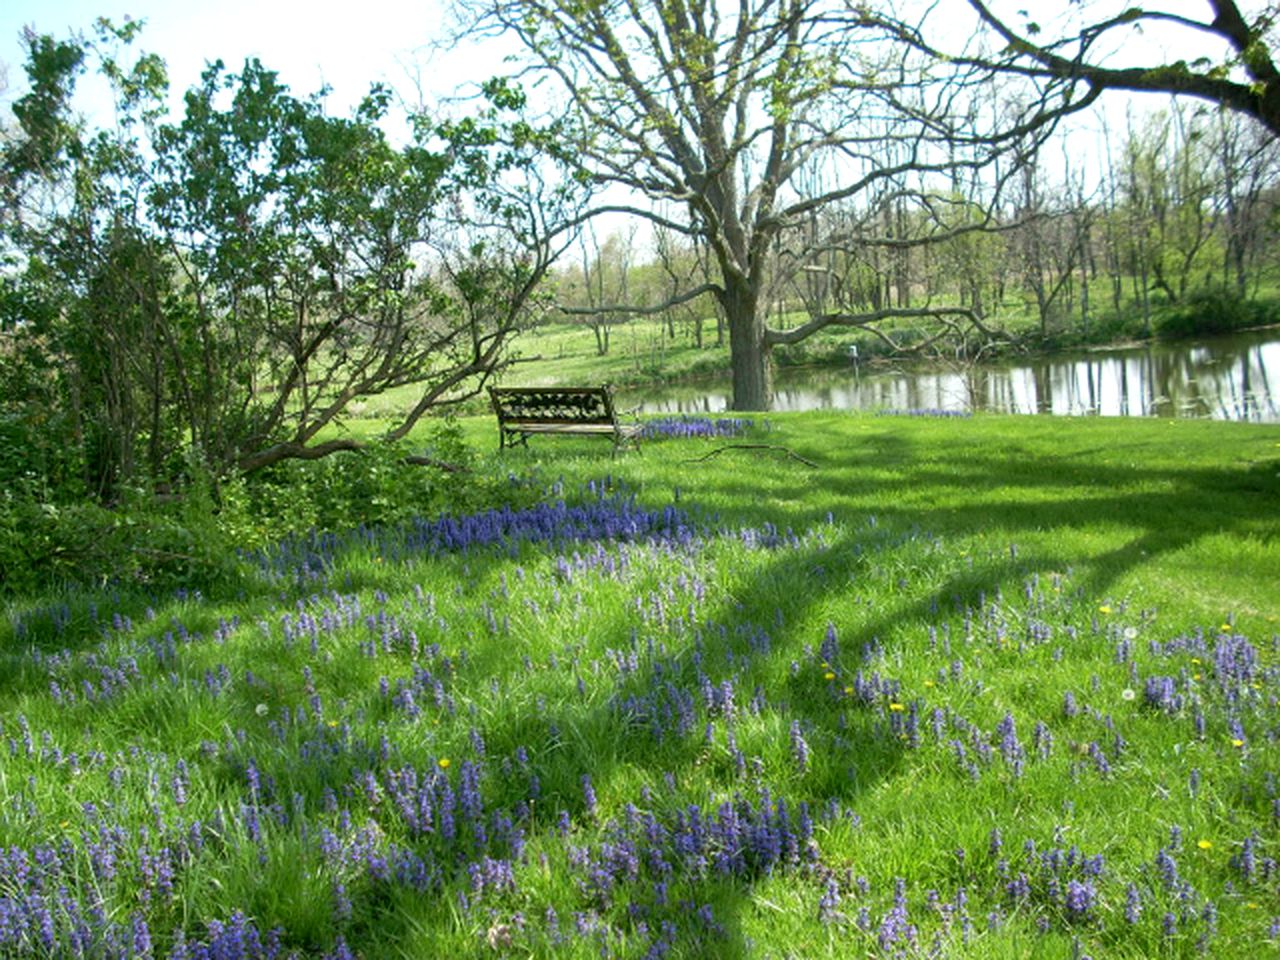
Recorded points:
(714, 110)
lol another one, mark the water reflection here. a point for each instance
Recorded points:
(1226, 379)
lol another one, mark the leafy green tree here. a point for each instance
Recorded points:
(219, 288)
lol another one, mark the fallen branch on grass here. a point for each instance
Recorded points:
(753, 446)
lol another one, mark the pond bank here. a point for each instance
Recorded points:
(1236, 377)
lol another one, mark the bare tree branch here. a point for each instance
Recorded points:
(685, 297)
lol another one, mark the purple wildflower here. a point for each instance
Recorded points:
(799, 747)
(896, 929)
(1079, 899)
(141, 936)
(828, 911)
(1132, 904)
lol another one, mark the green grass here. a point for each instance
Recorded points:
(983, 568)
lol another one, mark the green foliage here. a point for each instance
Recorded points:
(192, 534)
(188, 539)
(217, 287)
(1213, 311)
(369, 487)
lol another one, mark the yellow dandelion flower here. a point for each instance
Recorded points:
(333, 723)
(1105, 608)
(1237, 742)
(1226, 628)
(1204, 844)
(828, 675)
(928, 683)
(1195, 660)
(1195, 676)
(896, 707)
(444, 763)
(848, 691)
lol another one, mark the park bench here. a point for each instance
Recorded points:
(576, 411)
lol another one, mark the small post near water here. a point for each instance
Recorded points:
(853, 359)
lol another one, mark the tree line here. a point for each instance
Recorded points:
(1179, 208)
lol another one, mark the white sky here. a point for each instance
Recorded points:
(345, 45)
(348, 46)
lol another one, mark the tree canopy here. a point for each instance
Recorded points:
(222, 285)
(1241, 74)
(773, 132)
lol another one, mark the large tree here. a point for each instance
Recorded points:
(729, 113)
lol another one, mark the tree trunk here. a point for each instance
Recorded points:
(748, 351)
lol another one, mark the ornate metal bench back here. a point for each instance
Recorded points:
(585, 405)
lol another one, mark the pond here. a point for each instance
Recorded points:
(1227, 378)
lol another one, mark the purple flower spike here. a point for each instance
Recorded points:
(828, 906)
(799, 747)
(1132, 904)
(1079, 899)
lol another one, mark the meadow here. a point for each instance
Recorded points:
(874, 686)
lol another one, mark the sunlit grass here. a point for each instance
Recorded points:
(938, 638)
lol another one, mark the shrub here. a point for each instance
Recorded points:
(371, 487)
(195, 536)
(186, 540)
(1215, 310)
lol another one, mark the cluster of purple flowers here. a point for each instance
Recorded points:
(1235, 662)
(925, 412)
(1065, 879)
(742, 839)
(1162, 694)
(604, 517)
(682, 427)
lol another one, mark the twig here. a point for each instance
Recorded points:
(752, 446)
(420, 461)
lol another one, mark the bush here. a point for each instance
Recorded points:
(374, 486)
(1212, 311)
(188, 540)
(195, 537)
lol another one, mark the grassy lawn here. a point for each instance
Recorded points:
(972, 687)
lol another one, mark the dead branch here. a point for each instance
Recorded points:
(753, 446)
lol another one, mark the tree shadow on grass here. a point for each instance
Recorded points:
(640, 734)
(1156, 511)
(1169, 509)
